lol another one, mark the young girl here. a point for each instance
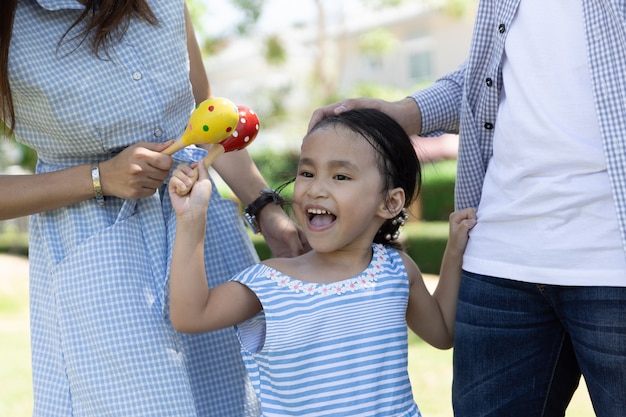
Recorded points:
(325, 333)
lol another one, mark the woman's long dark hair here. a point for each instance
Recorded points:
(105, 19)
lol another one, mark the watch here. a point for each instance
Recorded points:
(252, 210)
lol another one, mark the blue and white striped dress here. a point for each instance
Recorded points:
(102, 344)
(336, 349)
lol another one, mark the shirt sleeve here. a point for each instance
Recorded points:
(440, 104)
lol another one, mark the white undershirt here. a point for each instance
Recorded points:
(546, 213)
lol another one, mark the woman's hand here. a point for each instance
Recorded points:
(136, 172)
(405, 111)
(281, 234)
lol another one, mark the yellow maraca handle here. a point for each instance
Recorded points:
(212, 121)
(215, 152)
(173, 148)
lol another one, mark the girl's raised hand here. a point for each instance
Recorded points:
(195, 200)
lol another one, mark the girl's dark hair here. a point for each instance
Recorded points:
(107, 21)
(396, 157)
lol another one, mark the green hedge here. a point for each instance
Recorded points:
(425, 242)
(14, 243)
(437, 193)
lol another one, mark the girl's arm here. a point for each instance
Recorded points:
(194, 308)
(432, 317)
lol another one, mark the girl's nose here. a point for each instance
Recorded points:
(317, 188)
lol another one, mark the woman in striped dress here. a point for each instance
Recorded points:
(325, 333)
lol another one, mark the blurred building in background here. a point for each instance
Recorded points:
(386, 53)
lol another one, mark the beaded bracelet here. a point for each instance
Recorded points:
(97, 186)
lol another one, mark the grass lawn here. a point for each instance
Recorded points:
(430, 369)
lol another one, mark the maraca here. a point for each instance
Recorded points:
(246, 131)
(212, 121)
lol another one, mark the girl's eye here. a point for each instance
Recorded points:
(305, 174)
(341, 177)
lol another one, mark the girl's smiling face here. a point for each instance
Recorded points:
(338, 196)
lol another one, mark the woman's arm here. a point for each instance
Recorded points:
(134, 173)
(23, 195)
(197, 74)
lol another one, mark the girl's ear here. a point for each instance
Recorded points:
(393, 204)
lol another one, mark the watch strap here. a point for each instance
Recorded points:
(251, 211)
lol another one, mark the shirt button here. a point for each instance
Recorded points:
(489, 82)
(488, 126)
(137, 76)
(501, 28)
(158, 132)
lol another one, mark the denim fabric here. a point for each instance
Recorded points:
(520, 348)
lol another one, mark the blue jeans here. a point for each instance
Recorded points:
(519, 348)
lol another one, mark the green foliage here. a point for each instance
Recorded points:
(277, 167)
(251, 11)
(14, 243)
(4, 130)
(377, 42)
(13, 153)
(275, 52)
(381, 4)
(437, 193)
(367, 89)
(425, 242)
(29, 157)
(457, 8)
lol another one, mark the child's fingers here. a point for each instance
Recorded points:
(459, 216)
(183, 178)
(470, 217)
(202, 170)
(177, 185)
(463, 220)
(186, 169)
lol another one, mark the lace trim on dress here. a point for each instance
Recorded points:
(365, 280)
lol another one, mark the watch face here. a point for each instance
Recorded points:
(251, 222)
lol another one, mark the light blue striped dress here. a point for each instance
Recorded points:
(337, 349)
(102, 343)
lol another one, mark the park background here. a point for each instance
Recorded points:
(284, 58)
